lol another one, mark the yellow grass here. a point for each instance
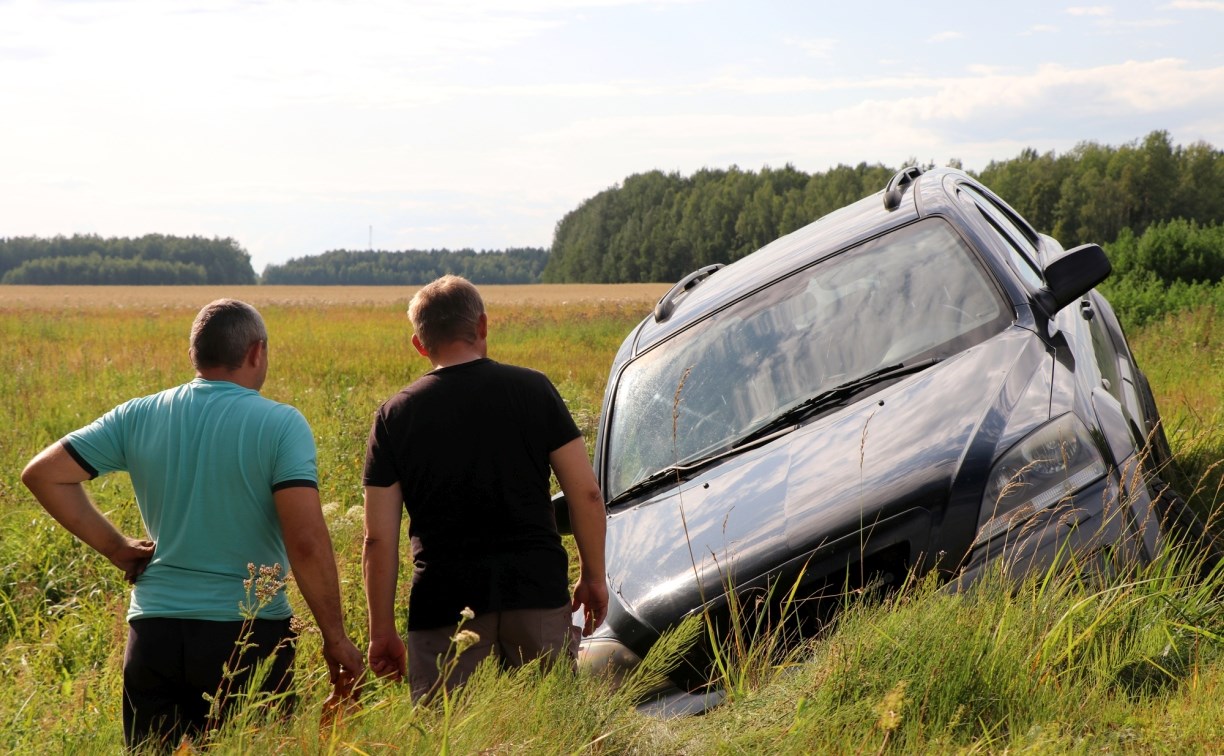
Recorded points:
(195, 297)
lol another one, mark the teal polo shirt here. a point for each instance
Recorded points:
(204, 459)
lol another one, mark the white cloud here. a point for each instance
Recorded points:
(1089, 10)
(1146, 23)
(1209, 5)
(1165, 83)
(818, 47)
(768, 85)
(947, 36)
(294, 126)
(917, 114)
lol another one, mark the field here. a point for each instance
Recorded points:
(194, 297)
(1050, 667)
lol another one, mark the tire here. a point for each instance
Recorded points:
(1181, 526)
(1158, 455)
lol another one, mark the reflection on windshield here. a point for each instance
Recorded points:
(915, 293)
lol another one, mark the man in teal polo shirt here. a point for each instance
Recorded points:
(227, 487)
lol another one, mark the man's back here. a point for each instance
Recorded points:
(224, 479)
(204, 459)
(468, 450)
(469, 445)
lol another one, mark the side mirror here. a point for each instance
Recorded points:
(1072, 275)
(561, 513)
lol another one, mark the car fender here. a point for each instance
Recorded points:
(1126, 453)
(1117, 430)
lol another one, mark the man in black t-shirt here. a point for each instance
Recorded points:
(467, 449)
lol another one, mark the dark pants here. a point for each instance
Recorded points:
(170, 664)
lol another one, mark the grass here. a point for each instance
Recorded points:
(1051, 666)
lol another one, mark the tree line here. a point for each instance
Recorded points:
(658, 226)
(1155, 206)
(412, 267)
(153, 259)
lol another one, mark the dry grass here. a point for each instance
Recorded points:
(1040, 668)
(194, 297)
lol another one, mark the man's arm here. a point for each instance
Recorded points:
(380, 564)
(588, 520)
(314, 570)
(55, 478)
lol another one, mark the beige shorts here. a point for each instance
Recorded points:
(513, 637)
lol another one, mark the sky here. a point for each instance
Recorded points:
(297, 127)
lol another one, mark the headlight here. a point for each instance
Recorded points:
(1047, 466)
(607, 657)
(613, 660)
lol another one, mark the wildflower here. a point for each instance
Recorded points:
(467, 613)
(889, 709)
(465, 639)
(265, 584)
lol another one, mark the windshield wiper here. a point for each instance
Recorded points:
(834, 397)
(682, 471)
(780, 425)
(671, 472)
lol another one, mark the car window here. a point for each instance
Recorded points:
(1019, 243)
(1106, 358)
(916, 292)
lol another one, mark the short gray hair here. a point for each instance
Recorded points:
(445, 311)
(223, 332)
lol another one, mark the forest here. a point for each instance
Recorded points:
(153, 259)
(356, 268)
(659, 226)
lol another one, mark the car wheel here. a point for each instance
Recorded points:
(1181, 526)
(1157, 453)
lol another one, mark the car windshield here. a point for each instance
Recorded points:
(913, 294)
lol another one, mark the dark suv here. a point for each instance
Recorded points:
(918, 381)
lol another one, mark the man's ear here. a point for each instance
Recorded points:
(482, 326)
(416, 342)
(256, 353)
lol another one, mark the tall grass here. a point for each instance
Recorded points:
(1050, 666)
(1054, 665)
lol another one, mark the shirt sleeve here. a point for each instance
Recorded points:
(561, 429)
(379, 461)
(296, 458)
(99, 447)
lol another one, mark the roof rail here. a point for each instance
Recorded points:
(896, 186)
(663, 309)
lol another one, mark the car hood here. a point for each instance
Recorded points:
(904, 465)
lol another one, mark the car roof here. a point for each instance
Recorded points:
(691, 301)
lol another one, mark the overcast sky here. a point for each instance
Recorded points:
(299, 127)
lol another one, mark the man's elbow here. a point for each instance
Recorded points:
(34, 475)
(590, 499)
(305, 549)
(29, 476)
(376, 547)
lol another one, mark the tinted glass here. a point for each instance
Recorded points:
(914, 293)
(1021, 248)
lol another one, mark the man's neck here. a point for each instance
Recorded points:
(457, 353)
(239, 377)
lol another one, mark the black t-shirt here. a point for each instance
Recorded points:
(469, 446)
